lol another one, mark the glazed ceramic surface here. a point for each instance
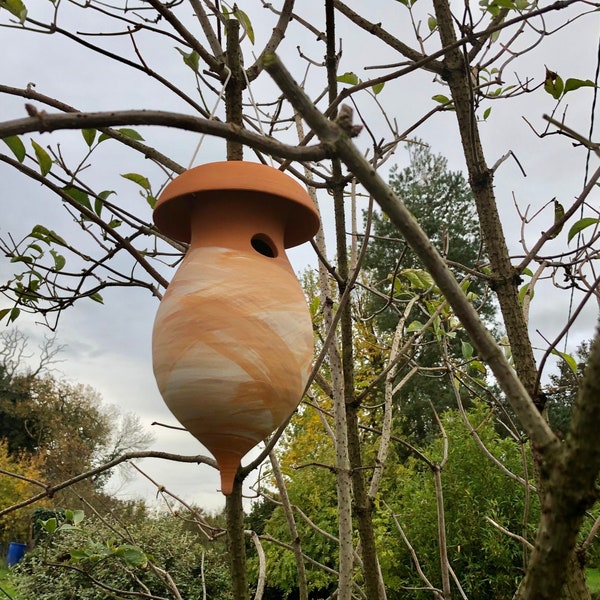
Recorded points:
(233, 340)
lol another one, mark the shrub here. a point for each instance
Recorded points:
(93, 560)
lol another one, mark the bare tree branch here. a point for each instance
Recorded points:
(43, 122)
(52, 489)
(335, 140)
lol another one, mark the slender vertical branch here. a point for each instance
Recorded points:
(234, 509)
(344, 483)
(457, 74)
(208, 30)
(437, 469)
(166, 13)
(437, 594)
(362, 506)
(441, 517)
(342, 377)
(277, 35)
(236, 543)
(262, 567)
(294, 535)
(235, 86)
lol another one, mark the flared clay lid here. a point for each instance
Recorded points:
(171, 212)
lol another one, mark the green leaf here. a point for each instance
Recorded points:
(131, 133)
(400, 287)
(69, 527)
(16, 146)
(99, 201)
(553, 84)
(465, 285)
(126, 131)
(348, 77)
(432, 23)
(74, 516)
(574, 84)
(98, 206)
(14, 314)
(478, 366)
(314, 306)
(580, 226)
(467, 350)
(37, 248)
(26, 294)
(441, 98)
(4, 312)
(89, 135)
(139, 179)
(568, 359)
(105, 194)
(192, 60)
(505, 4)
(15, 7)
(527, 271)
(78, 555)
(78, 195)
(43, 158)
(414, 326)
(46, 235)
(242, 17)
(378, 87)
(524, 291)
(97, 298)
(418, 278)
(486, 112)
(134, 556)
(26, 259)
(50, 525)
(59, 260)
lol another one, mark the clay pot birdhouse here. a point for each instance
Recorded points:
(233, 342)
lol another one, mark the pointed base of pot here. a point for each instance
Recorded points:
(228, 463)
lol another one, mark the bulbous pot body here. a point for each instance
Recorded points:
(232, 341)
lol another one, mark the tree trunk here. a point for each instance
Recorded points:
(505, 279)
(576, 584)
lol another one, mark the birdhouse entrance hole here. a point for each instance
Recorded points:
(264, 245)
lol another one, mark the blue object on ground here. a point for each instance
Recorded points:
(15, 553)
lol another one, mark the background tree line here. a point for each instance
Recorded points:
(53, 430)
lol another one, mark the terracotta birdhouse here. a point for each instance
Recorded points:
(232, 342)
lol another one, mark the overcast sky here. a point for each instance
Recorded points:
(108, 346)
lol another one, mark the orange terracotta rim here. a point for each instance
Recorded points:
(172, 209)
